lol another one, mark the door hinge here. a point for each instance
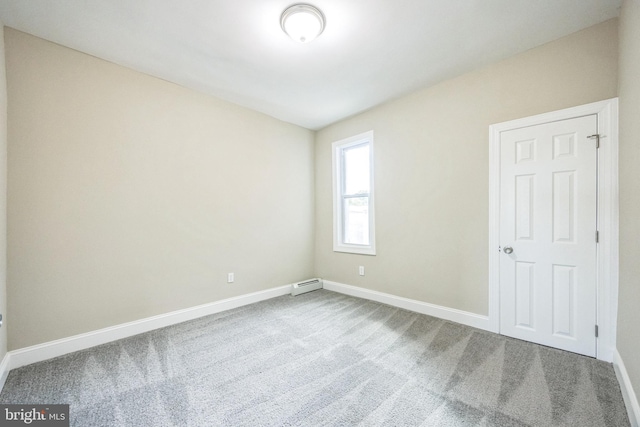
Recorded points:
(596, 331)
(597, 138)
(597, 237)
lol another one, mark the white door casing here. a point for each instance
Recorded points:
(606, 267)
(548, 234)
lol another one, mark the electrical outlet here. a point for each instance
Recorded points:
(230, 278)
(361, 270)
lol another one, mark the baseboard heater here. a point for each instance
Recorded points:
(306, 286)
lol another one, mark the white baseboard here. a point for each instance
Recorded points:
(628, 394)
(4, 369)
(452, 314)
(37, 353)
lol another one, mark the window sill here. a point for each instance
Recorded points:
(358, 250)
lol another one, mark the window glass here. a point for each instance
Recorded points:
(356, 169)
(356, 220)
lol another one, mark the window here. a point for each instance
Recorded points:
(353, 225)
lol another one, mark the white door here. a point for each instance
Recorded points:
(548, 243)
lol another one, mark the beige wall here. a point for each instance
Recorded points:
(3, 197)
(130, 196)
(629, 90)
(431, 168)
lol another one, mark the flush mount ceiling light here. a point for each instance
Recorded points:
(302, 22)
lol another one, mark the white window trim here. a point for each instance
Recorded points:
(336, 149)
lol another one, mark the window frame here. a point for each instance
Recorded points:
(337, 150)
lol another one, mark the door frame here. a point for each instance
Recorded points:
(607, 187)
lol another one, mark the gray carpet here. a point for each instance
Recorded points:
(323, 359)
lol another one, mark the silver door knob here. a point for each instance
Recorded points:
(508, 250)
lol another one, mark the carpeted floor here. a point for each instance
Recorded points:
(323, 359)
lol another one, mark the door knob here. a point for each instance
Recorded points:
(508, 250)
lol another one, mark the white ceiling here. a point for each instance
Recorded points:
(370, 52)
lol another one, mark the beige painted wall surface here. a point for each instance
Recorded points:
(3, 197)
(130, 196)
(629, 293)
(431, 168)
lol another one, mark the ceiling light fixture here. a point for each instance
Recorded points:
(302, 22)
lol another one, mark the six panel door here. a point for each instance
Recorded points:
(548, 224)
